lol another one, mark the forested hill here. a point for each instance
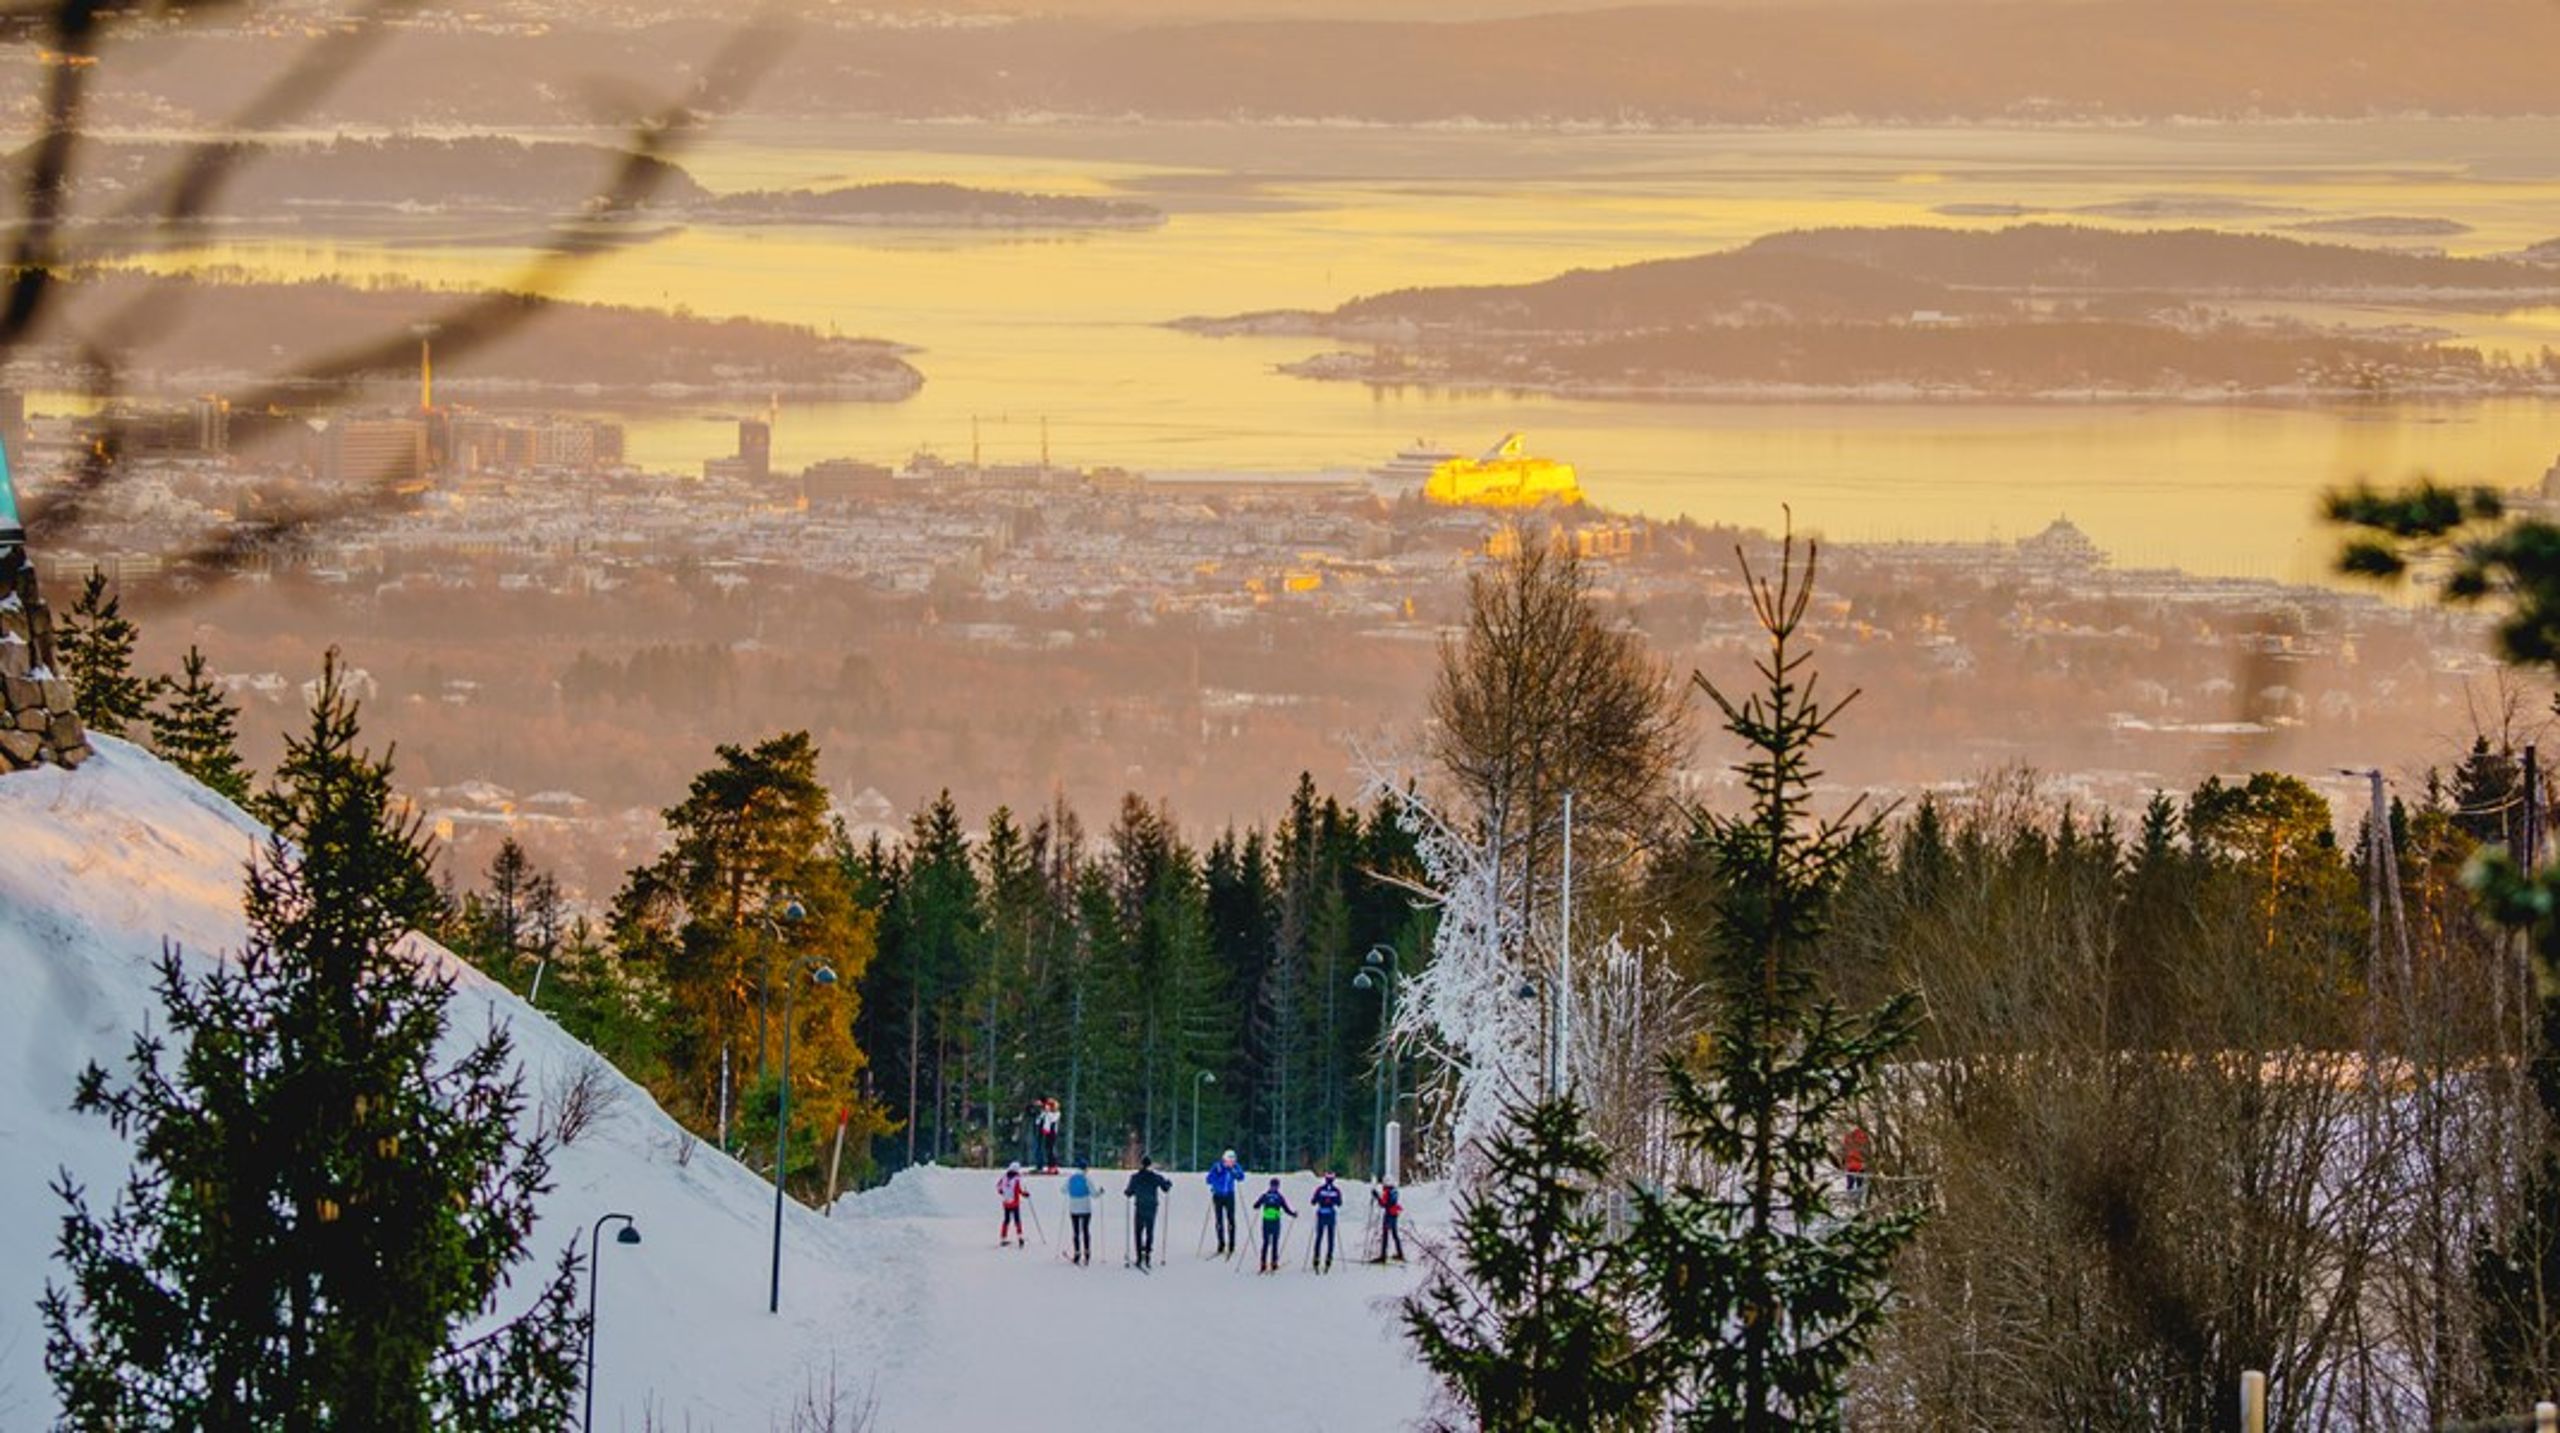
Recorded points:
(532, 343)
(2182, 261)
(1878, 274)
(306, 181)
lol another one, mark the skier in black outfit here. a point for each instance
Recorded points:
(1328, 1203)
(1146, 1187)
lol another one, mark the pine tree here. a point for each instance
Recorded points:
(502, 913)
(1760, 1287)
(196, 729)
(95, 646)
(1525, 1323)
(318, 1211)
(752, 840)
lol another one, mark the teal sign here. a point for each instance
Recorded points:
(11, 530)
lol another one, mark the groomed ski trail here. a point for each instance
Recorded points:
(995, 1337)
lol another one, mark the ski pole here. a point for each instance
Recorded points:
(1129, 1241)
(1035, 1216)
(1200, 1248)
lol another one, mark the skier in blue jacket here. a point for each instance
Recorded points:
(1079, 1191)
(1224, 1178)
(1328, 1202)
(1272, 1204)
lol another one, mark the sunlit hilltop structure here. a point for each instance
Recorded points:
(1505, 477)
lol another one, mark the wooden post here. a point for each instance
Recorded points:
(2253, 1402)
(835, 1162)
(2546, 1417)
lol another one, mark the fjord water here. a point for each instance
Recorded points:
(1013, 327)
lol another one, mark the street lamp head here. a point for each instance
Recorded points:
(1382, 955)
(1208, 1077)
(630, 1234)
(823, 975)
(1362, 981)
(793, 910)
(1528, 990)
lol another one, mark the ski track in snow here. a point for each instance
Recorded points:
(902, 1294)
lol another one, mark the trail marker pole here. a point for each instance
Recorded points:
(2253, 1402)
(835, 1162)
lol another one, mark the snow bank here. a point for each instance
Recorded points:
(902, 1294)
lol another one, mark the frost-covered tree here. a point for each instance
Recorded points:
(1470, 1008)
(1762, 1284)
(324, 1215)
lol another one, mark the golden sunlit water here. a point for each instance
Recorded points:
(1011, 328)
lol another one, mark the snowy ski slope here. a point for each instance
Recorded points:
(903, 1293)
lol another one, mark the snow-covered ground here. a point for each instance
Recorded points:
(903, 1294)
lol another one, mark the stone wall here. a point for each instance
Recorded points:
(38, 722)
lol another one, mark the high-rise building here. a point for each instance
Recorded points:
(755, 448)
(375, 452)
(213, 425)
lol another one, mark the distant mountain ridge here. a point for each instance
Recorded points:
(1721, 62)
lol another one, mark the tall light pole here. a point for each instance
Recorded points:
(818, 974)
(1205, 1077)
(629, 1234)
(1378, 972)
(790, 913)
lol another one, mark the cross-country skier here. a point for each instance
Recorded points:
(1224, 1177)
(1390, 1208)
(1079, 1192)
(1146, 1186)
(1049, 1136)
(1328, 1203)
(1273, 1204)
(1009, 1189)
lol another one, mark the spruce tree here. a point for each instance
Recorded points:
(196, 729)
(1524, 1322)
(1762, 1285)
(319, 1210)
(95, 646)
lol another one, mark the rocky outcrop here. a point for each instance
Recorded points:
(39, 724)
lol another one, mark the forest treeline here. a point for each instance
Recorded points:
(1153, 986)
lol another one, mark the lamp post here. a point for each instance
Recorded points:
(790, 913)
(629, 1234)
(818, 974)
(1205, 1077)
(1378, 972)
